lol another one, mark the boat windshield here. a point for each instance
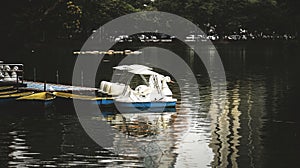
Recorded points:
(129, 78)
(139, 80)
(120, 76)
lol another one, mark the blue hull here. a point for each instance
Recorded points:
(146, 106)
(104, 102)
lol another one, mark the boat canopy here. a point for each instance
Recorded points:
(136, 69)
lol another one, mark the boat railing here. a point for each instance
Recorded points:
(12, 72)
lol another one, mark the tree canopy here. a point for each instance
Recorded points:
(40, 20)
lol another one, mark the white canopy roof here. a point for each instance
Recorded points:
(136, 69)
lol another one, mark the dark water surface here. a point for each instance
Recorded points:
(257, 128)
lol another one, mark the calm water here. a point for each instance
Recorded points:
(257, 128)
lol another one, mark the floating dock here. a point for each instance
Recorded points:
(42, 95)
(40, 86)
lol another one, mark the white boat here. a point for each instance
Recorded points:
(138, 86)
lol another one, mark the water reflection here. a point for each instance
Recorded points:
(235, 113)
(190, 137)
(255, 111)
(151, 132)
(20, 152)
(225, 128)
(257, 127)
(240, 122)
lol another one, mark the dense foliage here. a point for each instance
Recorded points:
(46, 20)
